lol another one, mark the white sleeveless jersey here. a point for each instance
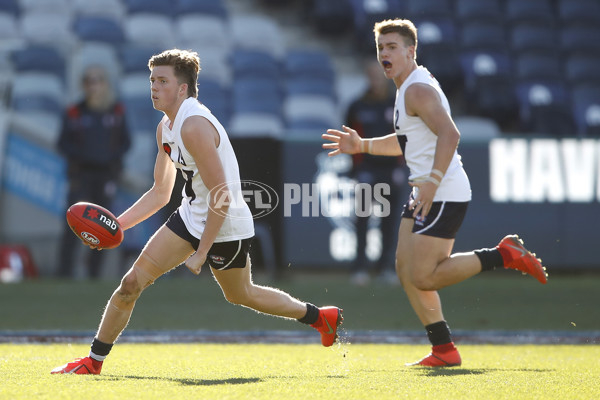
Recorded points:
(418, 143)
(238, 223)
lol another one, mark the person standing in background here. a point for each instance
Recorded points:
(93, 140)
(372, 115)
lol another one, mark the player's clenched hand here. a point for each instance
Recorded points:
(421, 204)
(195, 262)
(346, 141)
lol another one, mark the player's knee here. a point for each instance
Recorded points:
(422, 282)
(129, 289)
(239, 297)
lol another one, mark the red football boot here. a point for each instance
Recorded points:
(329, 319)
(85, 365)
(516, 256)
(437, 358)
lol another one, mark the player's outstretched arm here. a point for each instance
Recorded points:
(349, 142)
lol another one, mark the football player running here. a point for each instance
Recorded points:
(208, 226)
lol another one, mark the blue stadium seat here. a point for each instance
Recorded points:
(99, 29)
(37, 92)
(141, 116)
(210, 7)
(438, 52)
(160, 7)
(489, 85)
(544, 107)
(202, 32)
(216, 97)
(469, 10)
(257, 95)
(583, 69)
(428, 8)
(309, 113)
(476, 64)
(10, 7)
(257, 32)
(252, 63)
(309, 64)
(333, 16)
(309, 72)
(483, 35)
(150, 30)
(37, 58)
(134, 57)
(582, 39)
(533, 11)
(531, 65)
(577, 12)
(586, 109)
(527, 37)
(310, 86)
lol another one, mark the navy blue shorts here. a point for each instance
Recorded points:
(222, 255)
(443, 221)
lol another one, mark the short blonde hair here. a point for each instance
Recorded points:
(403, 27)
(186, 66)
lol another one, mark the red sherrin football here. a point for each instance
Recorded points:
(95, 225)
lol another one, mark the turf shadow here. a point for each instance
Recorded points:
(188, 381)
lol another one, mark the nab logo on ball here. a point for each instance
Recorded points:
(101, 218)
(88, 237)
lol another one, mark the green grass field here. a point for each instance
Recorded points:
(277, 371)
(496, 301)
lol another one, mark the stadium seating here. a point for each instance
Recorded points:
(210, 7)
(586, 109)
(9, 28)
(489, 85)
(583, 39)
(532, 65)
(483, 35)
(159, 7)
(256, 124)
(46, 6)
(134, 57)
(429, 8)
(544, 106)
(438, 51)
(99, 29)
(52, 29)
(150, 29)
(583, 69)
(259, 95)
(526, 38)
(309, 113)
(255, 32)
(579, 12)
(333, 16)
(10, 7)
(216, 97)
(255, 64)
(532, 11)
(135, 94)
(469, 10)
(111, 9)
(200, 32)
(367, 13)
(37, 91)
(471, 47)
(36, 58)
